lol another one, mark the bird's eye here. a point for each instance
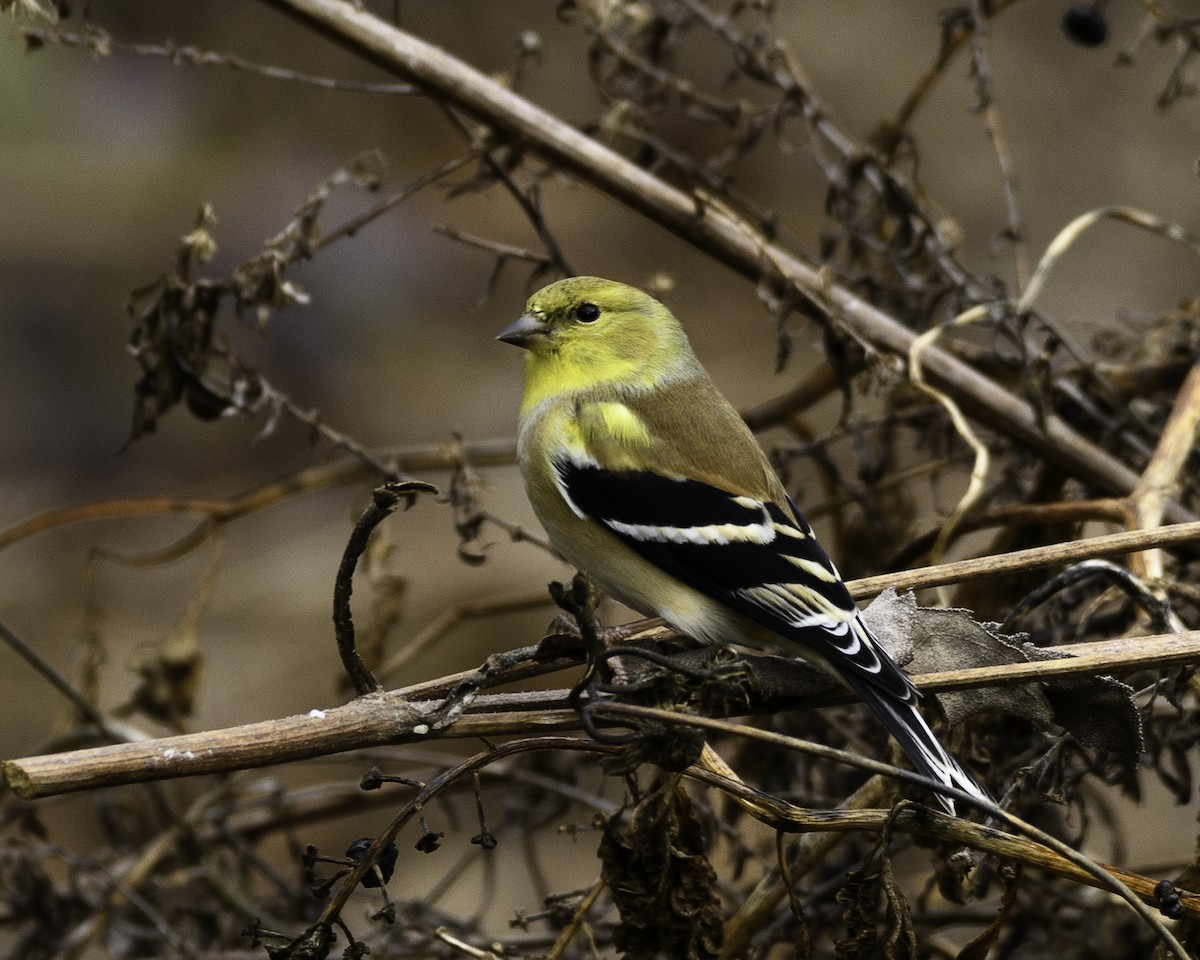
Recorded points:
(587, 312)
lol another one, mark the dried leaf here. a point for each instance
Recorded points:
(859, 898)
(928, 640)
(902, 938)
(1098, 711)
(661, 881)
(978, 948)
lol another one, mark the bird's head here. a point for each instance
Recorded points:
(585, 331)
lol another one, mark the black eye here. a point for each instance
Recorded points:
(587, 312)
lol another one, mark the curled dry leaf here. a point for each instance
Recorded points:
(1098, 711)
(661, 881)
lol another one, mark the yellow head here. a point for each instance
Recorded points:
(584, 332)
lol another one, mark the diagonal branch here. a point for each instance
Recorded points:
(977, 568)
(712, 229)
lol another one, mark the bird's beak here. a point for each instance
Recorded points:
(524, 332)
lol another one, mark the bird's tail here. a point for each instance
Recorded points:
(923, 748)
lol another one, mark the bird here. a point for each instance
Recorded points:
(646, 479)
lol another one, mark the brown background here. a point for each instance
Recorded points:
(104, 161)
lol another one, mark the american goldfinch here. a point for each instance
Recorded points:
(646, 479)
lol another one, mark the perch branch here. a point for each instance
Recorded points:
(405, 716)
(402, 717)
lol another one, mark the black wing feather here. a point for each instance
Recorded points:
(726, 570)
(659, 517)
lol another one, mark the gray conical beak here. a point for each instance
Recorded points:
(524, 332)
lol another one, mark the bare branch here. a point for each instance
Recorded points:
(1034, 558)
(408, 716)
(100, 43)
(713, 230)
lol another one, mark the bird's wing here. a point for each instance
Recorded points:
(752, 555)
(727, 529)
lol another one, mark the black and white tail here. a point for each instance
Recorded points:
(911, 731)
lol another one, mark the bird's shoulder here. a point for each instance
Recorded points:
(683, 430)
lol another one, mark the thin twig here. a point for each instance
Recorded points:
(576, 921)
(451, 618)
(1176, 445)
(961, 571)
(1017, 515)
(955, 35)
(354, 876)
(1073, 230)
(995, 133)
(100, 43)
(933, 824)
(384, 502)
(39, 663)
(804, 854)
(352, 226)
(1107, 879)
(527, 198)
(218, 512)
(503, 250)
(1097, 658)
(982, 459)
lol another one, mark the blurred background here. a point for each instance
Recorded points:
(105, 160)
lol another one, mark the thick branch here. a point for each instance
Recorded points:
(707, 225)
(396, 718)
(369, 721)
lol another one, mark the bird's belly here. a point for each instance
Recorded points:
(637, 583)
